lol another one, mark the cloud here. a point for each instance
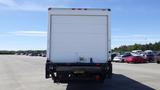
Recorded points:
(8, 2)
(30, 7)
(118, 40)
(137, 38)
(29, 33)
(25, 6)
(40, 6)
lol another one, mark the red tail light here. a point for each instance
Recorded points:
(97, 65)
(97, 77)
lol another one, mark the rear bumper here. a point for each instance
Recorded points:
(70, 68)
(77, 64)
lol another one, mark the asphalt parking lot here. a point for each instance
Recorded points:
(27, 73)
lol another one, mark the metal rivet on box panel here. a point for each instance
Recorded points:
(109, 9)
(49, 8)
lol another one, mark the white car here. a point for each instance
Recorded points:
(117, 58)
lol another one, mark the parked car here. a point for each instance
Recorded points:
(149, 56)
(146, 51)
(117, 58)
(137, 51)
(124, 56)
(157, 58)
(113, 55)
(135, 59)
(121, 58)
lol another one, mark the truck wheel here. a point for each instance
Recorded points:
(101, 81)
(102, 77)
(62, 77)
(56, 80)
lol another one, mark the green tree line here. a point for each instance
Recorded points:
(143, 47)
(22, 51)
(7, 52)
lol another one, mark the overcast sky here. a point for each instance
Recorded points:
(23, 23)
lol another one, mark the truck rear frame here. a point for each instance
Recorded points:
(62, 72)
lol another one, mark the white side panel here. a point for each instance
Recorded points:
(78, 36)
(48, 37)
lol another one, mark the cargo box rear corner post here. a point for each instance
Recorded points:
(79, 44)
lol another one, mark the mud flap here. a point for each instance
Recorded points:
(47, 71)
(109, 72)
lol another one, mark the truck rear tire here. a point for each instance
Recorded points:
(47, 71)
(103, 77)
(61, 77)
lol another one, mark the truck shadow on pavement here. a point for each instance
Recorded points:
(118, 82)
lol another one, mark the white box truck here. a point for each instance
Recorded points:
(79, 45)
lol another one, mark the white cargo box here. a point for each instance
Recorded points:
(79, 35)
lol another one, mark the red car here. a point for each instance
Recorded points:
(135, 59)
